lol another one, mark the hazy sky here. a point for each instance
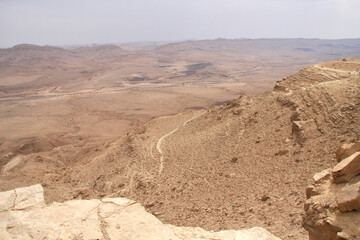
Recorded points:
(59, 22)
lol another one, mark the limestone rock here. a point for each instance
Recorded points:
(349, 198)
(347, 150)
(347, 168)
(7, 200)
(29, 197)
(325, 174)
(343, 236)
(22, 198)
(23, 215)
(310, 191)
(332, 210)
(303, 129)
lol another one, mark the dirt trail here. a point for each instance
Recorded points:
(105, 90)
(161, 139)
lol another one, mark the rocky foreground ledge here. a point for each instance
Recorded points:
(24, 215)
(333, 205)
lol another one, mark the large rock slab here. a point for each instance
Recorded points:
(22, 198)
(346, 150)
(347, 168)
(23, 215)
(349, 198)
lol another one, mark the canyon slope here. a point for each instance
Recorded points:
(239, 165)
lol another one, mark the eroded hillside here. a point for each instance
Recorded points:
(239, 165)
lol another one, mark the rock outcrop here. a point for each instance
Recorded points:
(333, 204)
(24, 215)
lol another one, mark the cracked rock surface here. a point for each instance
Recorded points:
(24, 215)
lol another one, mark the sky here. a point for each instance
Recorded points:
(71, 22)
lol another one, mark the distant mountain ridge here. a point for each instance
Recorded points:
(30, 55)
(268, 44)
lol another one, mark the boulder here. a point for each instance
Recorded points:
(24, 215)
(310, 191)
(302, 130)
(347, 168)
(346, 150)
(323, 175)
(349, 198)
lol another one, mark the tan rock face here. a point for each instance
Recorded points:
(333, 205)
(323, 175)
(347, 150)
(348, 168)
(23, 215)
(22, 198)
(349, 198)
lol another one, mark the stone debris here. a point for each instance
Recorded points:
(24, 215)
(332, 208)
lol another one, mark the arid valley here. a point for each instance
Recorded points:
(219, 134)
(50, 94)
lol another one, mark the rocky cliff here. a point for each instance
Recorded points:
(24, 215)
(333, 204)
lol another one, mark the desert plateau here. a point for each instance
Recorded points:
(202, 139)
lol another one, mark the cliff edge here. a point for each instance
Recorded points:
(24, 215)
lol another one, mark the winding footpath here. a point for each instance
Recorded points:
(161, 139)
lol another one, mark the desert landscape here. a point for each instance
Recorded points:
(99, 93)
(218, 134)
